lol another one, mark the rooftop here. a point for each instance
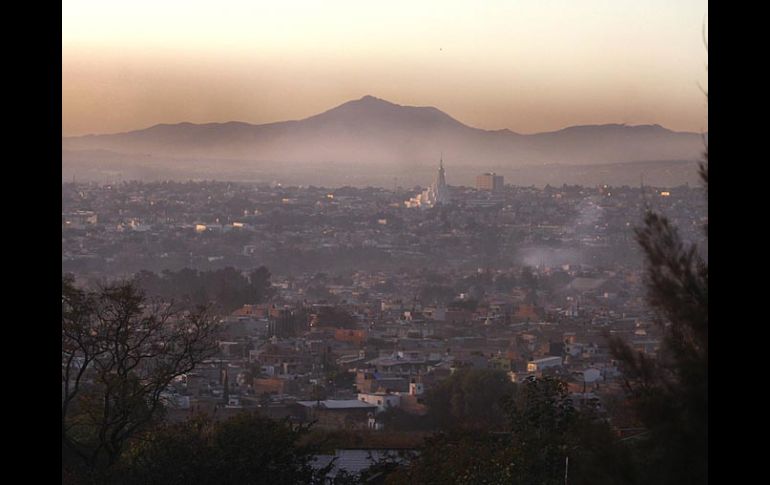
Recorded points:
(336, 404)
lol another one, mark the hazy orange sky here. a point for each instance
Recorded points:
(526, 65)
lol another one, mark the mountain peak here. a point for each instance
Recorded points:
(371, 130)
(370, 100)
(376, 113)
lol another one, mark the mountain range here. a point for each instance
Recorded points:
(371, 133)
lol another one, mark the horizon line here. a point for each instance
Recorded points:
(368, 96)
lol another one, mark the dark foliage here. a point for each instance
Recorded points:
(469, 398)
(244, 449)
(551, 439)
(670, 392)
(226, 288)
(457, 457)
(542, 431)
(334, 316)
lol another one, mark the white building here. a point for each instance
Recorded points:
(382, 400)
(416, 389)
(544, 363)
(436, 194)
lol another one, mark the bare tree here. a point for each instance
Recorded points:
(120, 352)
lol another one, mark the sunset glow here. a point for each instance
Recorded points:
(528, 66)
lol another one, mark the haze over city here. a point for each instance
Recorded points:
(352, 242)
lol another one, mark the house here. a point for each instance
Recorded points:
(274, 385)
(286, 358)
(544, 363)
(400, 363)
(413, 402)
(333, 413)
(383, 400)
(368, 382)
(356, 336)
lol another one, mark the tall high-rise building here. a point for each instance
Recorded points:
(489, 181)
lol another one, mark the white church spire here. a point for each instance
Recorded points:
(437, 193)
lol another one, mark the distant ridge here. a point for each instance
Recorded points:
(373, 132)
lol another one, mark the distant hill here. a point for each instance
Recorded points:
(374, 134)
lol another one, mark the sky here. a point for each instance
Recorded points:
(525, 65)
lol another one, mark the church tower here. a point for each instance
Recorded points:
(436, 194)
(440, 189)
